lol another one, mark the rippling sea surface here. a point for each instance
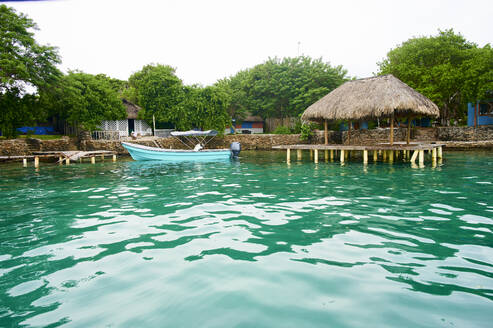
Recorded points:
(252, 243)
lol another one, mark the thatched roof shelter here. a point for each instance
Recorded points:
(131, 108)
(369, 98)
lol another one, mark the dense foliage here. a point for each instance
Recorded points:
(446, 68)
(158, 90)
(25, 67)
(283, 87)
(84, 100)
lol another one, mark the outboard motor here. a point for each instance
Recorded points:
(235, 148)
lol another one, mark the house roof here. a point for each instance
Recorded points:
(132, 109)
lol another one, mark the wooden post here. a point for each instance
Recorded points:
(93, 160)
(316, 155)
(413, 158)
(326, 133)
(36, 161)
(349, 133)
(60, 160)
(288, 155)
(311, 154)
(326, 155)
(365, 156)
(67, 161)
(375, 156)
(332, 154)
(434, 154)
(392, 129)
(299, 154)
(440, 155)
(408, 135)
(24, 162)
(102, 157)
(80, 159)
(391, 156)
(342, 155)
(384, 155)
(421, 157)
(114, 158)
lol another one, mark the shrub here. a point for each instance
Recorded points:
(282, 130)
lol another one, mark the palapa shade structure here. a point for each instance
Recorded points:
(371, 98)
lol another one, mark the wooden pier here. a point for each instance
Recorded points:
(385, 152)
(63, 156)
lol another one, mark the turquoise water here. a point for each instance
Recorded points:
(254, 243)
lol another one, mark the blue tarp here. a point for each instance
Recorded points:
(37, 129)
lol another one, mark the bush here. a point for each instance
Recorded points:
(282, 130)
(307, 131)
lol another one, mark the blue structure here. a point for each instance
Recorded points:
(39, 130)
(480, 113)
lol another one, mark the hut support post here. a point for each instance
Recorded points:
(349, 132)
(326, 155)
(342, 155)
(299, 154)
(331, 154)
(408, 135)
(421, 157)
(434, 154)
(375, 156)
(315, 155)
(326, 133)
(288, 155)
(392, 128)
(365, 156)
(440, 155)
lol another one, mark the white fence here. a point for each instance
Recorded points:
(105, 135)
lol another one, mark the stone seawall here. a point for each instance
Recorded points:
(454, 138)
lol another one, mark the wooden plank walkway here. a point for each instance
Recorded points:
(64, 156)
(408, 152)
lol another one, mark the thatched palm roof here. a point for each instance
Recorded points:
(131, 108)
(368, 98)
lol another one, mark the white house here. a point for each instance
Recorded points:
(129, 125)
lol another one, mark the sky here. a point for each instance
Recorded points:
(212, 39)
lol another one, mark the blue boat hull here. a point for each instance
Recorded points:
(144, 153)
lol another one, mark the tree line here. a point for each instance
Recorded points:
(446, 68)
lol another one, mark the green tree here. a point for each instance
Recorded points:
(446, 68)
(84, 100)
(25, 67)
(236, 87)
(286, 87)
(158, 90)
(204, 108)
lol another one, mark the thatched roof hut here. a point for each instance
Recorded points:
(131, 108)
(369, 98)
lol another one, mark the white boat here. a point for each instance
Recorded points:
(188, 138)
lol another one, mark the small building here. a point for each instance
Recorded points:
(480, 113)
(251, 124)
(130, 124)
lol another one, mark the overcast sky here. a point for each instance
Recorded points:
(210, 39)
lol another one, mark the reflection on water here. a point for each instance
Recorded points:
(253, 242)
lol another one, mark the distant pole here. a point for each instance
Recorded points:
(153, 125)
